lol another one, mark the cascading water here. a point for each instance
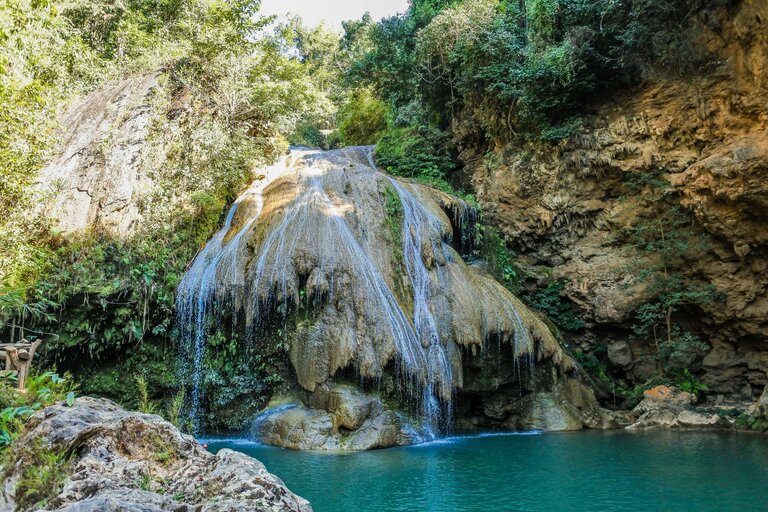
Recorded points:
(196, 294)
(314, 231)
(439, 379)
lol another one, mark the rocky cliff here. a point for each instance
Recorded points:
(95, 179)
(704, 137)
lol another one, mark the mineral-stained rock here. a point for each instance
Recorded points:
(666, 395)
(565, 208)
(568, 405)
(669, 408)
(129, 461)
(340, 417)
(376, 264)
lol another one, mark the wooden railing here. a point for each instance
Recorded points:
(18, 358)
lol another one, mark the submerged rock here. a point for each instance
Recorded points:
(128, 461)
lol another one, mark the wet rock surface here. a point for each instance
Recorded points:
(129, 461)
(363, 275)
(338, 417)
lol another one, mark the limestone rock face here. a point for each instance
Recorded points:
(131, 461)
(570, 405)
(760, 408)
(563, 207)
(365, 275)
(499, 396)
(91, 187)
(341, 417)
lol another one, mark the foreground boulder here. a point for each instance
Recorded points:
(128, 461)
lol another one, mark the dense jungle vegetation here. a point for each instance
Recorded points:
(521, 71)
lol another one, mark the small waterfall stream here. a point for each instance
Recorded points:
(308, 242)
(417, 219)
(197, 293)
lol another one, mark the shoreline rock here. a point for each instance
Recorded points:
(122, 460)
(337, 417)
(665, 408)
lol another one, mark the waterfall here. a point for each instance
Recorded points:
(196, 293)
(417, 220)
(312, 231)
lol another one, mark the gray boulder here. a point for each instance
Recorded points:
(129, 461)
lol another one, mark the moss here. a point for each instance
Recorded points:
(393, 220)
(43, 473)
(494, 250)
(754, 423)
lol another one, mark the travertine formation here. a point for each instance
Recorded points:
(375, 260)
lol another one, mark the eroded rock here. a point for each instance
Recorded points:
(669, 408)
(340, 417)
(125, 460)
(566, 208)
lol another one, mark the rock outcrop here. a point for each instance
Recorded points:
(95, 179)
(669, 408)
(337, 417)
(121, 460)
(566, 208)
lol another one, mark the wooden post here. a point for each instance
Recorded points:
(18, 358)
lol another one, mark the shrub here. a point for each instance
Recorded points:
(420, 152)
(550, 301)
(363, 119)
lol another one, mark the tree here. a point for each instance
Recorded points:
(661, 244)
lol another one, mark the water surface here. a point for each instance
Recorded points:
(550, 472)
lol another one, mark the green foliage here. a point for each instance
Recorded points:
(521, 68)
(415, 153)
(43, 472)
(176, 407)
(661, 245)
(751, 422)
(239, 378)
(41, 390)
(394, 224)
(363, 119)
(142, 390)
(110, 302)
(500, 260)
(684, 380)
(550, 301)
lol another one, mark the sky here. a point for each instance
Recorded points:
(333, 12)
